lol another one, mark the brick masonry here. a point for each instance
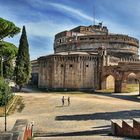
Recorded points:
(127, 129)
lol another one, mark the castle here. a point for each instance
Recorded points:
(80, 55)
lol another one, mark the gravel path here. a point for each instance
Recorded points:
(88, 114)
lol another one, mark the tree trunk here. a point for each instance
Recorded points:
(20, 87)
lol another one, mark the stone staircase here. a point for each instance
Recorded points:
(22, 130)
(126, 128)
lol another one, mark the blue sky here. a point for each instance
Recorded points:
(44, 18)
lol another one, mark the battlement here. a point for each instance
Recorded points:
(92, 29)
(83, 30)
(125, 60)
(70, 57)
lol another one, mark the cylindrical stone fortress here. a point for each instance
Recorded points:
(90, 38)
(80, 56)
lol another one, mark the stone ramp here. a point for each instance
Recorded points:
(95, 134)
(22, 130)
(6, 136)
(98, 130)
(126, 128)
(81, 138)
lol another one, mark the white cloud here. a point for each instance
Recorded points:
(118, 28)
(72, 11)
(47, 28)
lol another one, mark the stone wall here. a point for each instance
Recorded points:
(68, 72)
(114, 44)
(126, 128)
(34, 72)
(35, 66)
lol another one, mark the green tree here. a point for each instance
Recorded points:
(9, 52)
(7, 29)
(23, 66)
(5, 91)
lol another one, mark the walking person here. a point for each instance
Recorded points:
(68, 101)
(63, 101)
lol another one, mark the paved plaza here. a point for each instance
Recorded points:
(87, 117)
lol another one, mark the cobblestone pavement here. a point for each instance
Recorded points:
(87, 117)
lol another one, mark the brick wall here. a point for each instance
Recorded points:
(126, 130)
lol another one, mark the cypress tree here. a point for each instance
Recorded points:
(23, 66)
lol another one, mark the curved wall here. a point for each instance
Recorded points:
(113, 43)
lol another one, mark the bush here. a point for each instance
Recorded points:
(4, 90)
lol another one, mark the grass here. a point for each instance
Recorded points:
(20, 105)
(106, 90)
(12, 105)
(132, 87)
(69, 92)
(129, 88)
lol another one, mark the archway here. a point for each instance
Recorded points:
(108, 83)
(132, 83)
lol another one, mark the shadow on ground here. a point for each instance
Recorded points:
(103, 131)
(121, 96)
(61, 106)
(101, 116)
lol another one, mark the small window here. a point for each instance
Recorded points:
(71, 66)
(86, 65)
(60, 40)
(62, 66)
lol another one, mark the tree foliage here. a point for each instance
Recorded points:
(23, 66)
(5, 92)
(7, 29)
(8, 51)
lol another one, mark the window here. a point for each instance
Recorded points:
(62, 66)
(86, 65)
(70, 65)
(60, 40)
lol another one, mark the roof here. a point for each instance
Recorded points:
(68, 54)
